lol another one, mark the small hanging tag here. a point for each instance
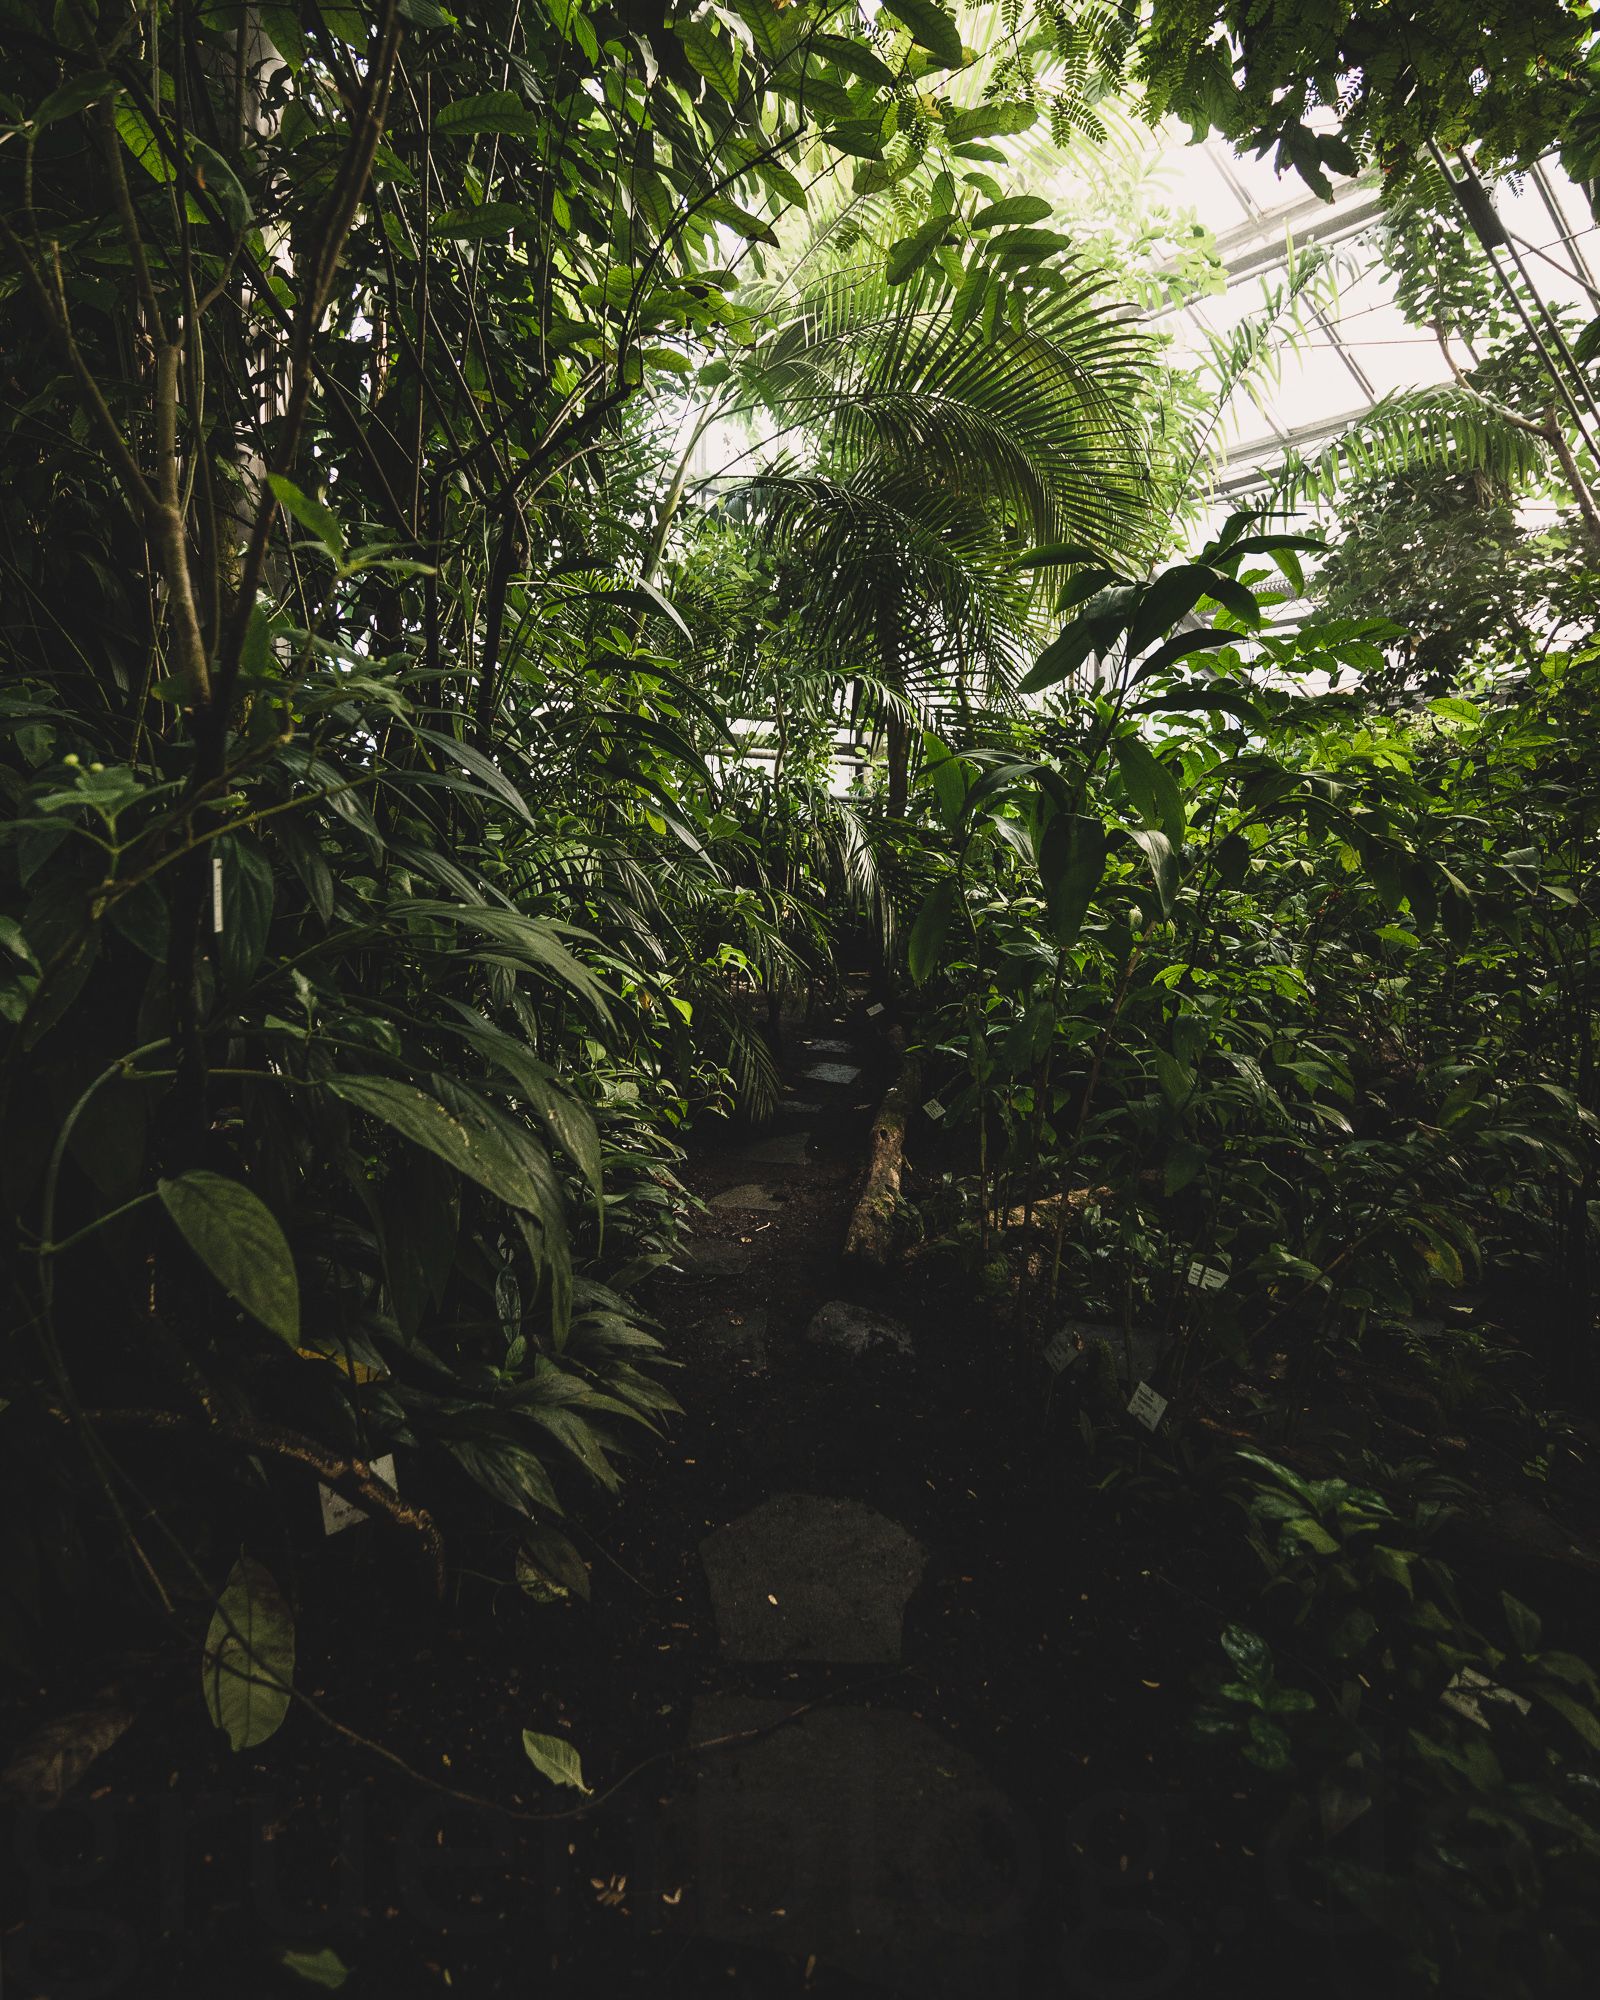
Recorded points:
(216, 894)
(934, 1109)
(338, 1512)
(1060, 1350)
(874, 1010)
(1147, 1406)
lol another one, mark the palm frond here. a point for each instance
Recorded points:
(1449, 428)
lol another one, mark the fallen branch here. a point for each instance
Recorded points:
(351, 1477)
(870, 1240)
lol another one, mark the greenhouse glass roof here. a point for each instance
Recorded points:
(1356, 346)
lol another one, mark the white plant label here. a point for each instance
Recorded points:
(934, 1109)
(1147, 1406)
(216, 894)
(874, 1010)
(1060, 1350)
(338, 1512)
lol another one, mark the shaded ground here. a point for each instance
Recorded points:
(974, 1778)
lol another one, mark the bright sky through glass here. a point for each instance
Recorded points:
(1358, 348)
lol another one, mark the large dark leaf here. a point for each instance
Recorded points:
(931, 28)
(1072, 860)
(1151, 786)
(237, 1237)
(926, 946)
(473, 1144)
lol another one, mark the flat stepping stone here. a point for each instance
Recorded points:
(716, 1257)
(742, 1335)
(823, 1045)
(859, 1836)
(750, 1196)
(832, 1072)
(806, 1578)
(854, 1330)
(789, 1149)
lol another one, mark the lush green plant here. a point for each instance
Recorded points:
(1405, 1710)
(373, 915)
(1210, 951)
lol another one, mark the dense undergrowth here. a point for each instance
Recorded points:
(423, 786)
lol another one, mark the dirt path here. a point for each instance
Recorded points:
(954, 1673)
(970, 1801)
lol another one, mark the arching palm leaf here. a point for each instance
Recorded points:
(1450, 428)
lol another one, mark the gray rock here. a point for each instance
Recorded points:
(716, 1257)
(822, 1045)
(791, 1149)
(854, 1330)
(805, 1578)
(748, 1196)
(858, 1835)
(832, 1072)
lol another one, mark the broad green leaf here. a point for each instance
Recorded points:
(1169, 598)
(472, 1144)
(1055, 555)
(1151, 786)
(1523, 1624)
(141, 141)
(1175, 1078)
(947, 774)
(970, 296)
(221, 183)
(855, 58)
(283, 30)
(548, 1566)
(567, 1119)
(323, 1968)
(1185, 1163)
(500, 112)
(531, 939)
(908, 255)
(312, 515)
(490, 221)
(555, 1758)
(1072, 860)
(1096, 629)
(930, 26)
(1307, 1529)
(1028, 243)
(237, 1237)
(1269, 1746)
(718, 208)
(1235, 597)
(716, 57)
(1183, 646)
(926, 945)
(248, 1667)
(1246, 1649)
(1583, 1718)
(1163, 865)
(1395, 1564)
(1015, 209)
(75, 96)
(988, 121)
